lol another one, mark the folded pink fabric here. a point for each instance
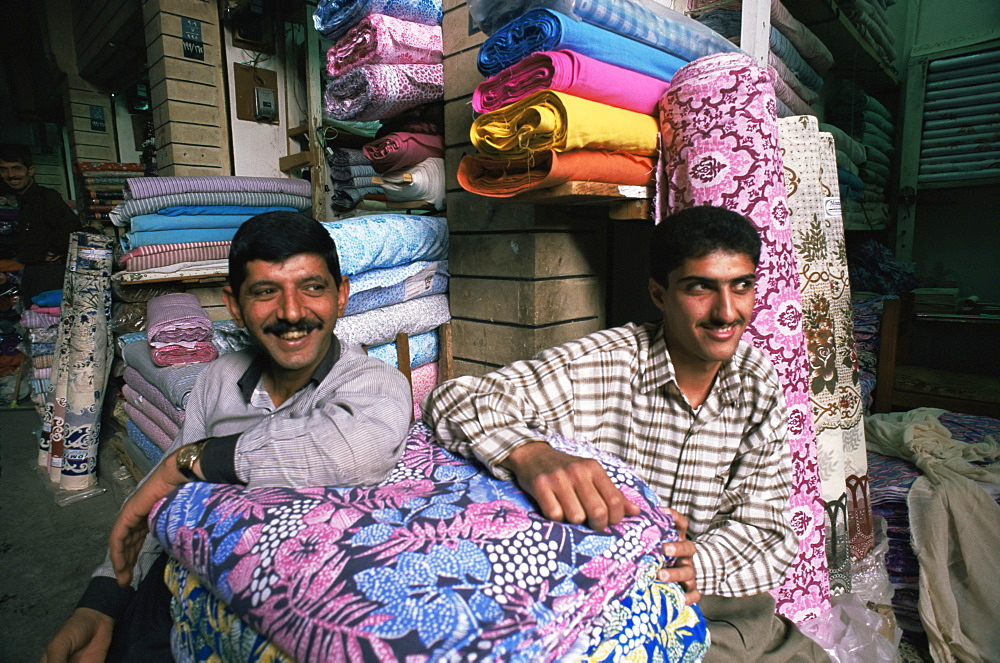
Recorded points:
(381, 39)
(160, 418)
(402, 149)
(423, 379)
(176, 318)
(46, 310)
(573, 73)
(146, 390)
(174, 355)
(148, 426)
(161, 255)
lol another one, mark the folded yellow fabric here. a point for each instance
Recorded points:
(550, 120)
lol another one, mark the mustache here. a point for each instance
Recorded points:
(280, 327)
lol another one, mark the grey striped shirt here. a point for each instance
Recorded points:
(725, 466)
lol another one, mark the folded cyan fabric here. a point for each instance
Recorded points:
(424, 181)
(143, 388)
(423, 350)
(549, 120)
(649, 23)
(379, 326)
(545, 30)
(376, 91)
(161, 255)
(381, 39)
(502, 177)
(401, 149)
(121, 214)
(157, 222)
(176, 318)
(572, 73)
(335, 17)
(373, 241)
(132, 240)
(383, 287)
(149, 187)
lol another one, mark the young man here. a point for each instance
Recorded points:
(697, 412)
(44, 223)
(300, 409)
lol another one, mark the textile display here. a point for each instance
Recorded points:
(400, 149)
(157, 416)
(423, 350)
(572, 73)
(162, 255)
(545, 30)
(333, 18)
(720, 146)
(159, 437)
(807, 95)
(785, 94)
(379, 326)
(154, 222)
(72, 418)
(121, 214)
(345, 157)
(177, 318)
(382, 582)
(175, 382)
(422, 182)
(377, 91)
(154, 187)
(155, 397)
(386, 240)
(504, 177)
(133, 240)
(149, 449)
(557, 121)
(802, 38)
(649, 23)
(380, 39)
(383, 287)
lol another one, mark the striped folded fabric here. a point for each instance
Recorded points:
(378, 91)
(504, 177)
(177, 317)
(557, 121)
(573, 73)
(148, 187)
(381, 39)
(121, 215)
(401, 149)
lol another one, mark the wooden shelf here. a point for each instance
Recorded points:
(584, 193)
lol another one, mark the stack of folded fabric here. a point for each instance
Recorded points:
(179, 330)
(11, 334)
(182, 226)
(100, 187)
(386, 60)
(869, 123)
(41, 324)
(572, 97)
(398, 269)
(797, 58)
(868, 16)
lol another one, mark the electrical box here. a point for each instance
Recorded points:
(256, 94)
(265, 107)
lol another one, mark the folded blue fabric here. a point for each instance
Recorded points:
(423, 350)
(386, 240)
(158, 222)
(335, 17)
(383, 287)
(136, 239)
(48, 298)
(546, 30)
(654, 25)
(148, 448)
(221, 209)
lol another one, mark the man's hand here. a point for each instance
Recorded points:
(83, 638)
(131, 527)
(568, 488)
(682, 551)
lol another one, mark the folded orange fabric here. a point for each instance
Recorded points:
(502, 177)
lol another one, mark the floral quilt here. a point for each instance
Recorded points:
(439, 562)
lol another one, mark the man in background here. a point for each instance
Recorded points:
(44, 223)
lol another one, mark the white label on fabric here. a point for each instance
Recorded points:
(831, 207)
(419, 283)
(634, 191)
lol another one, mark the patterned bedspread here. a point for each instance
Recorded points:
(439, 562)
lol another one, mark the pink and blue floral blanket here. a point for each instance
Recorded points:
(439, 562)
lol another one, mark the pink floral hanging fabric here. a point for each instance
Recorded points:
(719, 146)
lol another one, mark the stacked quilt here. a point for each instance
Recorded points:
(100, 187)
(41, 325)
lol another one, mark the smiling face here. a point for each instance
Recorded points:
(16, 175)
(706, 305)
(290, 308)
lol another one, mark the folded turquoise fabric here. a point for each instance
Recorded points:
(157, 222)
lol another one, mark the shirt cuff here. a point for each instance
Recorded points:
(106, 596)
(218, 460)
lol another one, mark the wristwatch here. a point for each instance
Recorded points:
(187, 457)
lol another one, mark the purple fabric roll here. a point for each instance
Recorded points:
(176, 318)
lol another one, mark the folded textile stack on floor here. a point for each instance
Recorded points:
(960, 140)
(101, 187)
(386, 60)
(865, 120)
(398, 271)
(797, 58)
(181, 226)
(41, 324)
(13, 343)
(572, 92)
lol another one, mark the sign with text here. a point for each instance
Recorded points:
(194, 48)
(97, 122)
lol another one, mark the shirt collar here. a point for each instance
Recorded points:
(657, 370)
(248, 381)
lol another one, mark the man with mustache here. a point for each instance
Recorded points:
(298, 409)
(698, 413)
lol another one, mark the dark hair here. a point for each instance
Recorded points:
(694, 233)
(16, 153)
(276, 237)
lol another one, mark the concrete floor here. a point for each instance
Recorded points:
(47, 551)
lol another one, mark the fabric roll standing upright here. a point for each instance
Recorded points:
(719, 137)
